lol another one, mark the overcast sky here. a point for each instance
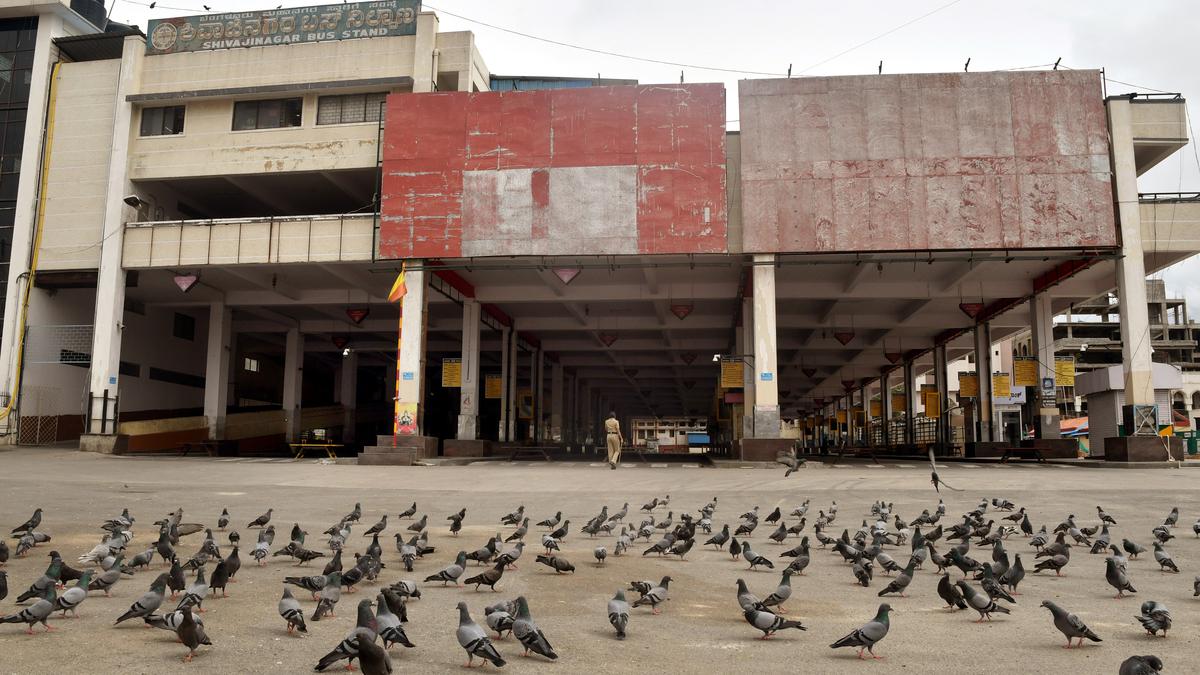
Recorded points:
(1150, 44)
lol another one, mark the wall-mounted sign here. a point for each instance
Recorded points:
(732, 373)
(493, 386)
(1001, 385)
(346, 21)
(1064, 371)
(968, 384)
(452, 372)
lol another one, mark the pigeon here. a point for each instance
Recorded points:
(499, 620)
(655, 596)
(377, 527)
(389, 625)
(719, 538)
(980, 602)
(1164, 559)
(452, 571)
(328, 597)
(509, 558)
(312, 584)
(489, 577)
(43, 583)
(38, 612)
(618, 613)
(561, 532)
(176, 581)
(31, 524)
(791, 461)
(169, 621)
(348, 648)
(549, 523)
(600, 553)
(1070, 625)
(866, 637)
(514, 517)
(262, 520)
(1117, 578)
(1133, 549)
(419, 525)
(74, 596)
(681, 548)
(769, 623)
(1056, 562)
(191, 634)
(901, 581)
(354, 515)
(528, 633)
(746, 599)
(106, 580)
(755, 559)
(1196, 587)
(484, 555)
(289, 609)
(519, 533)
(219, 579)
(1141, 665)
(195, 594)
(148, 603)
(3, 584)
(1171, 519)
(223, 519)
(557, 563)
(1013, 576)
(992, 586)
(473, 639)
(950, 593)
(1155, 617)
(373, 659)
(409, 513)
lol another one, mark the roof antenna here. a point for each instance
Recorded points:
(1056, 62)
(967, 64)
(789, 70)
(681, 77)
(880, 68)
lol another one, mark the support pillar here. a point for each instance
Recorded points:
(348, 388)
(216, 369)
(1131, 269)
(556, 403)
(744, 343)
(940, 377)
(885, 408)
(293, 382)
(766, 385)
(1045, 399)
(468, 392)
(910, 405)
(985, 427)
(410, 385)
(506, 339)
(535, 396)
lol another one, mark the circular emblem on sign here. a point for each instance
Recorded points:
(164, 36)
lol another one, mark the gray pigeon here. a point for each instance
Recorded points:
(1117, 578)
(38, 612)
(1141, 665)
(149, 602)
(527, 631)
(1164, 559)
(473, 639)
(901, 581)
(618, 613)
(74, 596)
(769, 623)
(499, 620)
(870, 634)
(781, 593)
(655, 596)
(289, 609)
(746, 599)
(451, 572)
(389, 625)
(980, 602)
(373, 659)
(1070, 625)
(1155, 617)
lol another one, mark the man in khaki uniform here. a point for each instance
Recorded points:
(612, 431)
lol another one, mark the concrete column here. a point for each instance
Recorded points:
(348, 393)
(534, 389)
(909, 404)
(985, 423)
(110, 284)
(744, 343)
(940, 378)
(506, 338)
(510, 391)
(293, 382)
(1131, 269)
(216, 369)
(1041, 323)
(24, 213)
(556, 403)
(410, 387)
(468, 392)
(885, 408)
(766, 385)
(424, 70)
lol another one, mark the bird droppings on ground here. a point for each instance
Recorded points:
(701, 625)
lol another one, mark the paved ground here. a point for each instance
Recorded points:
(701, 627)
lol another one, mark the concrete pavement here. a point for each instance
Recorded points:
(701, 628)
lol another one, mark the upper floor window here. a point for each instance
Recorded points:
(268, 114)
(166, 121)
(350, 108)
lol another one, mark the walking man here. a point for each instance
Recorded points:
(612, 431)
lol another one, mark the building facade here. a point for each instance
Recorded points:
(219, 224)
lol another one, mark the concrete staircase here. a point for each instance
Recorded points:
(398, 450)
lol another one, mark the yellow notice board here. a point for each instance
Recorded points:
(968, 384)
(732, 374)
(452, 372)
(932, 401)
(1001, 385)
(876, 408)
(899, 403)
(1064, 371)
(1025, 371)
(493, 387)
(841, 416)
